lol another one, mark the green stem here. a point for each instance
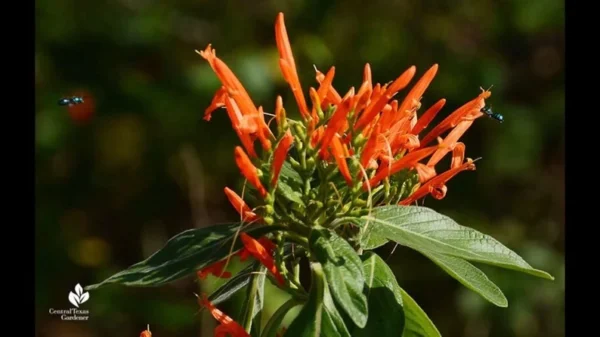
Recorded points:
(257, 281)
(274, 322)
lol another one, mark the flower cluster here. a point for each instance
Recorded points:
(346, 154)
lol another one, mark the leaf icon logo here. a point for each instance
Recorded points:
(78, 297)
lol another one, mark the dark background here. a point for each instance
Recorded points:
(135, 165)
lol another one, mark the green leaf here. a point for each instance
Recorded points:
(319, 316)
(289, 193)
(386, 315)
(417, 321)
(370, 241)
(274, 323)
(344, 271)
(233, 285)
(290, 176)
(470, 276)
(425, 230)
(253, 305)
(183, 255)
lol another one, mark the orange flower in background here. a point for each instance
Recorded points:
(227, 326)
(146, 333)
(84, 112)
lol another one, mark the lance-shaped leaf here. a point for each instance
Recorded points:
(183, 255)
(470, 276)
(386, 315)
(319, 316)
(417, 321)
(233, 285)
(344, 271)
(425, 230)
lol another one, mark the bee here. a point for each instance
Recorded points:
(488, 111)
(70, 100)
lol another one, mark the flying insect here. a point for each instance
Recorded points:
(494, 115)
(70, 100)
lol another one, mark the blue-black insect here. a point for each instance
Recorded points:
(70, 100)
(488, 111)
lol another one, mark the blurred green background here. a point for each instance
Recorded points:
(136, 165)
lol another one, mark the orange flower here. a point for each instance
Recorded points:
(450, 142)
(235, 90)
(288, 65)
(280, 154)
(241, 206)
(408, 161)
(335, 124)
(437, 186)
(340, 153)
(375, 106)
(428, 116)
(215, 269)
(269, 246)
(468, 111)
(146, 333)
(227, 325)
(332, 96)
(248, 170)
(261, 253)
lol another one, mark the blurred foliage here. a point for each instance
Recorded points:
(139, 165)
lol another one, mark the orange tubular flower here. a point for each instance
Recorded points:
(280, 154)
(238, 93)
(288, 65)
(240, 206)
(408, 161)
(248, 170)
(217, 102)
(448, 144)
(332, 95)
(241, 125)
(468, 111)
(375, 106)
(437, 186)
(215, 269)
(227, 326)
(146, 333)
(335, 124)
(262, 254)
(244, 253)
(339, 153)
(428, 116)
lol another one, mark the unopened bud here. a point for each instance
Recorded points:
(269, 209)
